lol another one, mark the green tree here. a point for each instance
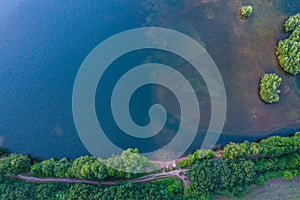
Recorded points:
(268, 88)
(87, 167)
(233, 150)
(246, 11)
(48, 167)
(36, 170)
(277, 146)
(288, 50)
(127, 165)
(62, 167)
(226, 177)
(292, 23)
(14, 164)
(288, 175)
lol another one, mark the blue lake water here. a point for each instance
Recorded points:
(43, 43)
(42, 46)
(297, 82)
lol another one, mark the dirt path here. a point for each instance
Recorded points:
(54, 180)
(179, 173)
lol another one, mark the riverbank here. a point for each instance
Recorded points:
(242, 165)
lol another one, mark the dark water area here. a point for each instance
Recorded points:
(297, 84)
(43, 43)
(141, 101)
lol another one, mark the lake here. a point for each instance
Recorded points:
(43, 44)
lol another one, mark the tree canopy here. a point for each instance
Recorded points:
(246, 11)
(226, 177)
(126, 165)
(288, 50)
(268, 88)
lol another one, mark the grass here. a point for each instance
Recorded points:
(276, 189)
(173, 185)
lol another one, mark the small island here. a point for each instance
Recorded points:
(246, 11)
(288, 50)
(288, 55)
(268, 88)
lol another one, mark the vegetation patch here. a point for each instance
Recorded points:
(124, 166)
(192, 158)
(243, 165)
(173, 185)
(288, 50)
(221, 176)
(268, 88)
(240, 166)
(246, 11)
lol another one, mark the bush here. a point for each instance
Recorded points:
(220, 176)
(87, 167)
(288, 50)
(62, 167)
(277, 146)
(268, 88)
(288, 175)
(127, 165)
(233, 150)
(14, 164)
(292, 23)
(246, 11)
(274, 146)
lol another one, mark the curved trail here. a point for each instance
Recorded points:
(54, 180)
(175, 173)
(179, 173)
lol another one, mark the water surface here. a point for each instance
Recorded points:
(43, 44)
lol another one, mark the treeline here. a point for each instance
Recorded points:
(274, 146)
(127, 165)
(232, 177)
(220, 176)
(14, 164)
(245, 164)
(198, 155)
(11, 190)
(84, 167)
(240, 165)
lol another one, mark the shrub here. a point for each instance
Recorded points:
(292, 23)
(246, 11)
(288, 175)
(220, 176)
(234, 150)
(14, 164)
(268, 88)
(288, 50)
